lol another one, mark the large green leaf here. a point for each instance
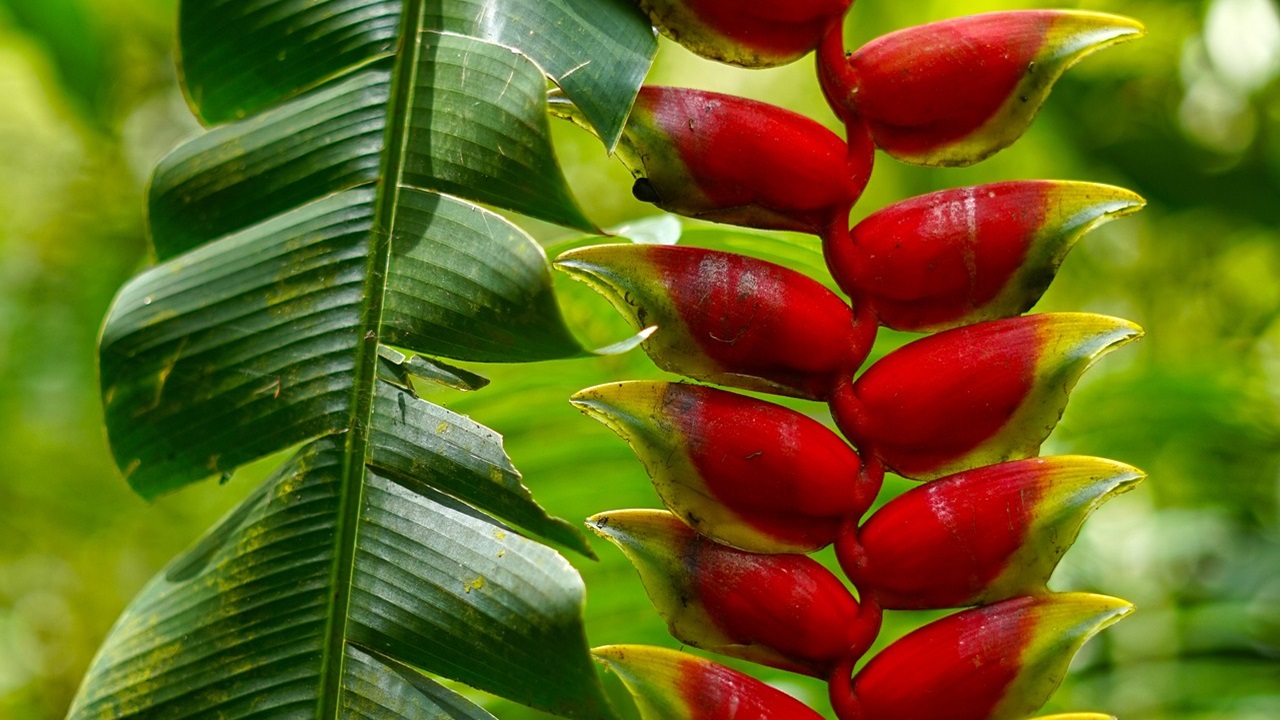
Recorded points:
(309, 250)
(243, 625)
(240, 58)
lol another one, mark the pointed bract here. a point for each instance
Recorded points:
(742, 471)
(999, 662)
(732, 160)
(956, 91)
(729, 319)
(975, 395)
(671, 685)
(961, 256)
(785, 611)
(750, 33)
(979, 536)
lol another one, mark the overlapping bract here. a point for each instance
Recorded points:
(962, 256)
(955, 92)
(751, 33)
(728, 318)
(965, 410)
(743, 472)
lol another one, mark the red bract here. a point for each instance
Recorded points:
(961, 256)
(999, 662)
(728, 318)
(786, 611)
(751, 33)
(975, 395)
(741, 471)
(979, 536)
(732, 160)
(670, 685)
(956, 91)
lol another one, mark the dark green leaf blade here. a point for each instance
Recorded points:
(253, 606)
(496, 611)
(470, 95)
(239, 626)
(239, 58)
(597, 51)
(422, 446)
(238, 349)
(377, 687)
(249, 171)
(465, 283)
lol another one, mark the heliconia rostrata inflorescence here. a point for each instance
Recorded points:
(753, 487)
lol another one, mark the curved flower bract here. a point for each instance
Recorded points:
(971, 254)
(979, 536)
(956, 91)
(999, 662)
(671, 685)
(732, 160)
(750, 33)
(975, 395)
(727, 318)
(785, 611)
(741, 471)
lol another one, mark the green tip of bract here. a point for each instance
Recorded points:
(954, 92)
(999, 662)
(671, 685)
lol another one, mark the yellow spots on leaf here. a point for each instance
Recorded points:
(476, 584)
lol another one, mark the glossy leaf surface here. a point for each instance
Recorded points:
(999, 662)
(995, 391)
(239, 59)
(979, 536)
(958, 257)
(742, 471)
(727, 318)
(670, 685)
(786, 611)
(432, 586)
(296, 245)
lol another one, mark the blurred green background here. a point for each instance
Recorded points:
(1189, 117)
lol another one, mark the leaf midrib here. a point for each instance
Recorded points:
(351, 492)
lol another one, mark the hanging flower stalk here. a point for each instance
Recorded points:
(752, 486)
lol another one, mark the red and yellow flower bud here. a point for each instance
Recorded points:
(975, 395)
(999, 662)
(962, 256)
(671, 685)
(956, 91)
(729, 319)
(742, 471)
(750, 33)
(738, 161)
(979, 536)
(785, 611)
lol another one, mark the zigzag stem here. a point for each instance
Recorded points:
(840, 682)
